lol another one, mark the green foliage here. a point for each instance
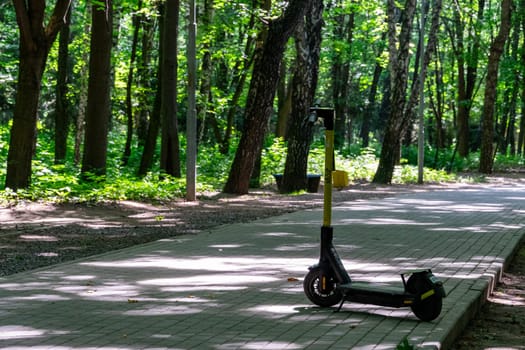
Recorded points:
(508, 163)
(62, 183)
(447, 159)
(405, 345)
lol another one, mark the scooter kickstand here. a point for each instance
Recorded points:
(341, 304)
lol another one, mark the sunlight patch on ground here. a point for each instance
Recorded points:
(506, 299)
(216, 264)
(79, 277)
(40, 297)
(42, 238)
(275, 311)
(257, 345)
(210, 280)
(163, 311)
(16, 332)
(386, 221)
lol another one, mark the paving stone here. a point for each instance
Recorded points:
(240, 286)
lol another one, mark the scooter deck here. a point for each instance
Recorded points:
(368, 294)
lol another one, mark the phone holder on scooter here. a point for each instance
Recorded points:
(327, 283)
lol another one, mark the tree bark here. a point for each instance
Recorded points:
(284, 104)
(129, 84)
(35, 42)
(144, 80)
(340, 77)
(486, 160)
(370, 107)
(99, 86)
(300, 130)
(206, 70)
(398, 66)
(467, 73)
(62, 110)
(150, 141)
(170, 147)
(265, 76)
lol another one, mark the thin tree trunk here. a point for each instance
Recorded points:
(129, 84)
(82, 98)
(370, 107)
(486, 160)
(144, 77)
(521, 135)
(398, 66)
(300, 133)
(99, 87)
(62, 110)
(284, 104)
(340, 78)
(206, 70)
(170, 147)
(150, 143)
(467, 72)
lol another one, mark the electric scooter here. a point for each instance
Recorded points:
(327, 283)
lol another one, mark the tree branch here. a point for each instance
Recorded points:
(58, 19)
(24, 26)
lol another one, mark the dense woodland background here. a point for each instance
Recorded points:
(95, 95)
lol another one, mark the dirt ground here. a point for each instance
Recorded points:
(34, 235)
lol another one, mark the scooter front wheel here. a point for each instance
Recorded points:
(429, 308)
(325, 297)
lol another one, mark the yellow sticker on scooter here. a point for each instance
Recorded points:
(428, 294)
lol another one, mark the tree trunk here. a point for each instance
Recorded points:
(99, 87)
(486, 160)
(300, 131)
(154, 122)
(467, 73)
(129, 85)
(370, 107)
(35, 42)
(521, 135)
(429, 52)
(398, 66)
(170, 148)
(206, 70)
(144, 77)
(340, 77)
(284, 104)
(62, 110)
(507, 124)
(259, 104)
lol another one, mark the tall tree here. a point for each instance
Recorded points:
(401, 109)
(521, 135)
(137, 19)
(35, 42)
(371, 106)
(170, 147)
(486, 160)
(61, 109)
(300, 131)
(467, 56)
(155, 118)
(99, 86)
(343, 37)
(399, 50)
(265, 77)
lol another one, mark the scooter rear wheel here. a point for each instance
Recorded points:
(312, 288)
(429, 308)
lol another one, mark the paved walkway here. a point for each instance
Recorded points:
(240, 286)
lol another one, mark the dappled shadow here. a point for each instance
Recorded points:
(240, 287)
